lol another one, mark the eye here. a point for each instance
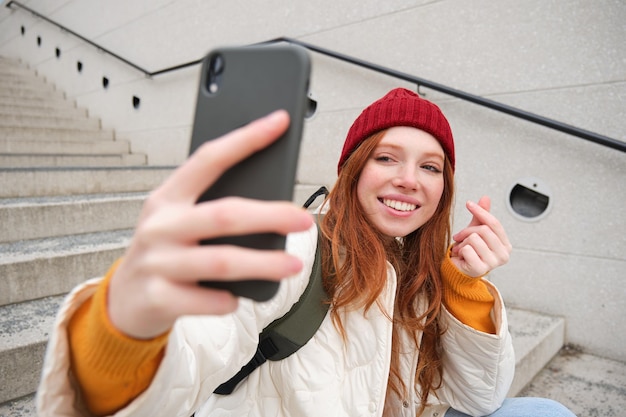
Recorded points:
(383, 158)
(432, 168)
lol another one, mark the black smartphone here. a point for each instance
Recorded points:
(237, 86)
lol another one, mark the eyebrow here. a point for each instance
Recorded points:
(382, 145)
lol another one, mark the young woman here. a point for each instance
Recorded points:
(413, 329)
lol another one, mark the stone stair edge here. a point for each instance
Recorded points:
(17, 178)
(71, 121)
(28, 250)
(52, 159)
(77, 147)
(36, 268)
(30, 102)
(51, 130)
(34, 109)
(65, 199)
(32, 219)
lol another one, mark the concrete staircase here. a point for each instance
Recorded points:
(70, 193)
(69, 196)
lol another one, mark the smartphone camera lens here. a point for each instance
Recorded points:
(216, 68)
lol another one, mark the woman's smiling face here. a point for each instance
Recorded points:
(402, 181)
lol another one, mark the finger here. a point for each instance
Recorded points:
(484, 203)
(471, 263)
(494, 243)
(221, 263)
(196, 300)
(163, 302)
(480, 246)
(484, 232)
(229, 216)
(487, 246)
(213, 158)
(482, 217)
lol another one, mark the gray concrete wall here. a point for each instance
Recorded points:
(564, 59)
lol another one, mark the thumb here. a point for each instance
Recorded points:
(485, 202)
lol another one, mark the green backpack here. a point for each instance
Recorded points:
(285, 335)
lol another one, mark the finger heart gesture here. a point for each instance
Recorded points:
(483, 245)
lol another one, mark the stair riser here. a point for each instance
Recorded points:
(37, 183)
(52, 134)
(41, 220)
(35, 93)
(10, 121)
(60, 109)
(18, 161)
(537, 338)
(31, 102)
(101, 147)
(10, 85)
(53, 275)
(12, 74)
(11, 71)
(22, 367)
(25, 331)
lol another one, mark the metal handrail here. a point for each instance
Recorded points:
(512, 111)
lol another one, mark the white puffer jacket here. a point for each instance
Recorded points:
(326, 377)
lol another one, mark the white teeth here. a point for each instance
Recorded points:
(399, 205)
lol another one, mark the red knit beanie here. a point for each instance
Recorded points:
(399, 107)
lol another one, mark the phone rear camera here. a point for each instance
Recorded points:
(217, 64)
(216, 68)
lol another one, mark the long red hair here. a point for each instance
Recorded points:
(355, 273)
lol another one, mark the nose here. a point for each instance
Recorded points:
(406, 177)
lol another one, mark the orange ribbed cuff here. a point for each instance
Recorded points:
(467, 298)
(111, 368)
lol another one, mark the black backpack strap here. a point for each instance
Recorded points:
(287, 334)
(322, 190)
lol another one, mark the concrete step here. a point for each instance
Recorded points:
(24, 330)
(76, 160)
(21, 407)
(27, 81)
(69, 122)
(32, 269)
(63, 108)
(30, 92)
(58, 134)
(537, 338)
(26, 334)
(17, 71)
(26, 84)
(42, 217)
(10, 69)
(38, 182)
(49, 102)
(99, 147)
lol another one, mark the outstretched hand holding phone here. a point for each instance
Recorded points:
(156, 281)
